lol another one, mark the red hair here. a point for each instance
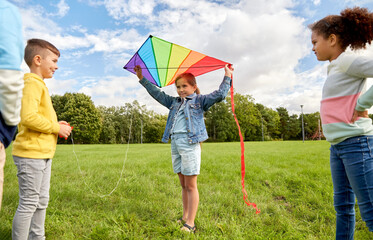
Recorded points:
(191, 80)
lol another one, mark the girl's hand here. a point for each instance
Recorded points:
(357, 114)
(228, 70)
(138, 71)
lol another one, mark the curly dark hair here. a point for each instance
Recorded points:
(354, 27)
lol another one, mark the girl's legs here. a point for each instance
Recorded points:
(186, 162)
(352, 172)
(184, 195)
(344, 198)
(193, 198)
(190, 197)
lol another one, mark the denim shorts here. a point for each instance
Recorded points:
(186, 157)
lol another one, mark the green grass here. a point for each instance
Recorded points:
(289, 181)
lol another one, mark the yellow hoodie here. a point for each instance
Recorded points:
(38, 129)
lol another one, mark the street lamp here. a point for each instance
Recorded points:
(262, 131)
(301, 106)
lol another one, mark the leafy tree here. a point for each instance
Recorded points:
(112, 124)
(270, 120)
(137, 115)
(311, 124)
(284, 122)
(248, 116)
(154, 128)
(294, 128)
(220, 124)
(78, 110)
(146, 126)
(108, 130)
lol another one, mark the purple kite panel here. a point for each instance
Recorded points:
(136, 60)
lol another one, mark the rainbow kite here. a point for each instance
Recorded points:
(163, 61)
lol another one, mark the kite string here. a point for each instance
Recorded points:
(121, 173)
(245, 197)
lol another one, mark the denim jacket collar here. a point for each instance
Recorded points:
(189, 97)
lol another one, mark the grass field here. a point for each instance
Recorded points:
(289, 181)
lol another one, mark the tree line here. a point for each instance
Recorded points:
(135, 123)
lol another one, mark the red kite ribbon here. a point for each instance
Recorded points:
(245, 198)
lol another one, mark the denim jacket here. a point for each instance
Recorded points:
(196, 105)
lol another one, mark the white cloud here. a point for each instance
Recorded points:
(35, 24)
(120, 9)
(316, 2)
(56, 86)
(63, 9)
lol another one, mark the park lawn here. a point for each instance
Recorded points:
(289, 181)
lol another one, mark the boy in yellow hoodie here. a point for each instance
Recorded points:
(35, 143)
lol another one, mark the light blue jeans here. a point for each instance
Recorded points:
(351, 163)
(34, 181)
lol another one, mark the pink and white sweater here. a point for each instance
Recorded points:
(343, 92)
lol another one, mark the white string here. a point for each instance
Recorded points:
(121, 173)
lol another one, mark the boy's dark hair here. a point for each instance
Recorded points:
(354, 27)
(36, 47)
(190, 78)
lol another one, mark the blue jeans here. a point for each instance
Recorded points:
(351, 163)
(34, 181)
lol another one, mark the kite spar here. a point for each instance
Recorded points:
(162, 62)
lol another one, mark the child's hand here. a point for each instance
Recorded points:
(65, 129)
(138, 71)
(228, 70)
(357, 114)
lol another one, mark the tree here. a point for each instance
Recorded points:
(108, 130)
(78, 110)
(294, 128)
(271, 122)
(112, 124)
(248, 116)
(146, 126)
(311, 124)
(154, 128)
(284, 122)
(220, 124)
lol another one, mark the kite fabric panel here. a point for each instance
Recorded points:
(162, 61)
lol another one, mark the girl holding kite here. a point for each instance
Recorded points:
(186, 128)
(344, 114)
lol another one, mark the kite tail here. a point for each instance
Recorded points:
(245, 197)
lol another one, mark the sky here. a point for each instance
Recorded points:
(267, 41)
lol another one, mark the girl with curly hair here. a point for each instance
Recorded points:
(344, 115)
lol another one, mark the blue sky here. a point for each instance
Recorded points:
(266, 40)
